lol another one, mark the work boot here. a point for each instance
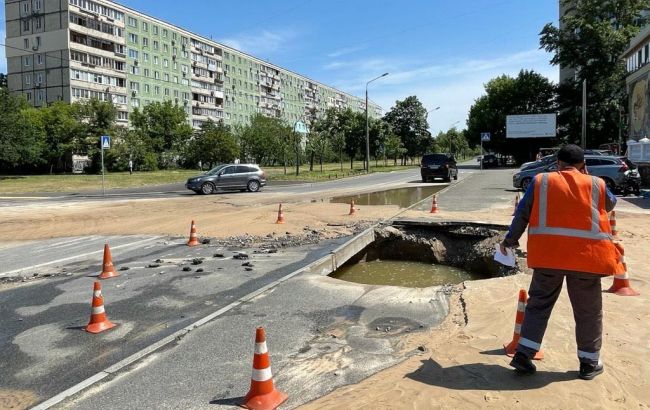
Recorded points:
(523, 364)
(589, 371)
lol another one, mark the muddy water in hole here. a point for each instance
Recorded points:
(402, 197)
(402, 273)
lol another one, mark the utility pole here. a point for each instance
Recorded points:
(584, 114)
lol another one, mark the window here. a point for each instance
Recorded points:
(39, 59)
(165, 63)
(145, 57)
(145, 26)
(25, 25)
(133, 53)
(145, 42)
(156, 90)
(166, 77)
(155, 60)
(176, 79)
(39, 23)
(39, 78)
(646, 51)
(27, 60)
(155, 45)
(37, 41)
(28, 96)
(146, 72)
(28, 79)
(156, 75)
(133, 22)
(37, 5)
(122, 116)
(135, 86)
(154, 29)
(25, 8)
(164, 33)
(133, 38)
(135, 102)
(40, 95)
(167, 92)
(135, 70)
(26, 44)
(147, 89)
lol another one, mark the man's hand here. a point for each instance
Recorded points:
(503, 248)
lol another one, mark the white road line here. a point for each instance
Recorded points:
(77, 256)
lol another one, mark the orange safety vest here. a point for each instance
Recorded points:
(569, 228)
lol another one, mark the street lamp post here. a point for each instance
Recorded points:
(367, 164)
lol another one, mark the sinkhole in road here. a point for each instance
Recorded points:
(402, 197)
(421, 253)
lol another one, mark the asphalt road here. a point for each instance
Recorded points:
(370, 182)
(42, 346)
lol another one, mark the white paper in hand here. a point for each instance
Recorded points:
(508, 259)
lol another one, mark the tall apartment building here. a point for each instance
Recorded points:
(72, 50)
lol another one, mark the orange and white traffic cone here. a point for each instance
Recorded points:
(352, 209)
(98, 319)
(108, 270)
(194, 239)
(280, 219)
(262, 394)
(514, 211)
(434, 205)
(612, 223)
(621, 285)
(511, 347)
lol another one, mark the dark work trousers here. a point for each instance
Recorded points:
(586, 299)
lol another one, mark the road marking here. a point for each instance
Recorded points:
(77, 256)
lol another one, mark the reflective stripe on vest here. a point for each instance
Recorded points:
(543, 229)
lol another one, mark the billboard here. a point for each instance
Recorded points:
(531, 126)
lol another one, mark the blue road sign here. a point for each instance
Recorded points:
(106, 142)
(485, 136)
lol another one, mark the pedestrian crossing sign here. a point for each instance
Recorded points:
(106, 142)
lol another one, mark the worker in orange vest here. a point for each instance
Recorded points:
(569, 236)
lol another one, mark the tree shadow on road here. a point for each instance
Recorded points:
(483, 376)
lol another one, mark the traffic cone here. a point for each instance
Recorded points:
(352, 209)
(612, 223)
(511, 347)
(194, 239)
(108, 270)
(516, 205)
(280, 215)
(98, 320)
(262, 394)
(434, 205)
(621, 285)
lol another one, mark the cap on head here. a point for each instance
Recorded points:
(571, 154)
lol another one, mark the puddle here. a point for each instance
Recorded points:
(402, 197)
(403, 273)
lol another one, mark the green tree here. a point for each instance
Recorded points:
(331, 127)
(166, 128)
(22, 133)
(408, 119)
(452, 141)
(353, 125)
(528, 93)
(594, 35)
(394, 147)
(212, 144)
(266, 140)
(64, 134)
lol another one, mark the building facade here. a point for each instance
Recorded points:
(73, 50)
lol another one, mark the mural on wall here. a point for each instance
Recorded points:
(639, 108)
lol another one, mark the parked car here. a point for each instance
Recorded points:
(438, 166)
(490, 161)
(544, 162)
(228, 177)
(609, 168)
